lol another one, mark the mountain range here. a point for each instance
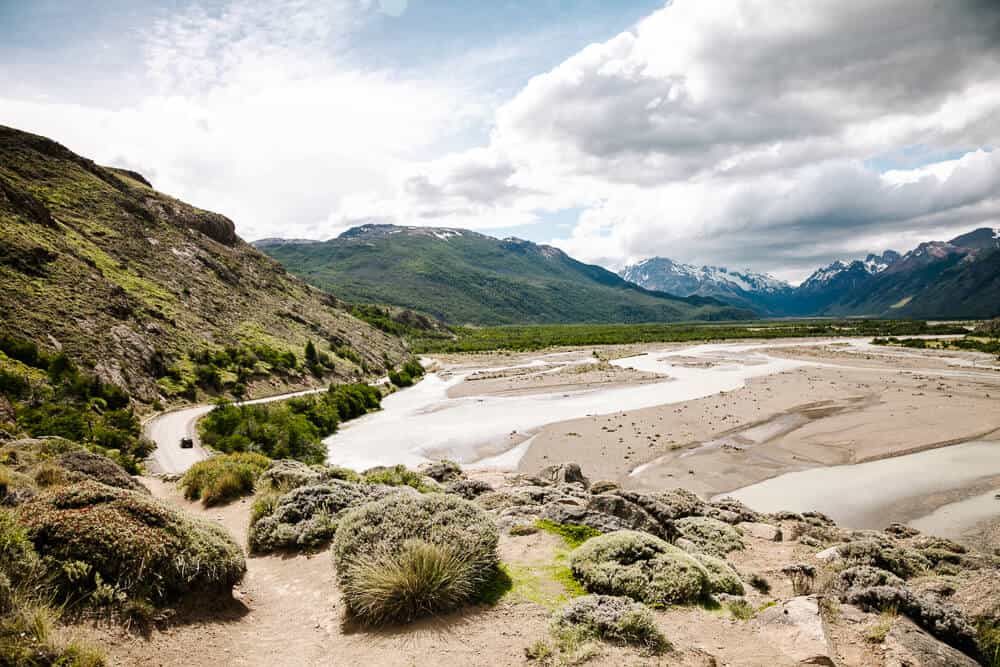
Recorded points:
(130, 282)
(956, 278)
(464, 277)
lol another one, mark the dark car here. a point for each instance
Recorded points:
(187, 443)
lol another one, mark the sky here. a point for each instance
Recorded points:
(775, 135)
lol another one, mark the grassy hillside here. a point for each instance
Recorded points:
(154, 295)
(464, 277)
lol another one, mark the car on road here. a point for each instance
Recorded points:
(187, 443)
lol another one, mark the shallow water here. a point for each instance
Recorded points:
(871, 495)
(423, 423)
(956, 519)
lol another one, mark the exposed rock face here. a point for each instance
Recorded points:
(796, 628)
(906, 645)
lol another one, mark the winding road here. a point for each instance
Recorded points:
(166, 430)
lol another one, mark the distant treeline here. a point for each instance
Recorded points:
(536, 337)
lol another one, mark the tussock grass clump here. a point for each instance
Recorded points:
(386, 552)
(741, 609)
(416, 579)
(640, 566)
(224, 477)
(112, 544)
(613, 619)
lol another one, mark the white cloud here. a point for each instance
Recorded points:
(739, 132)
(255, 111)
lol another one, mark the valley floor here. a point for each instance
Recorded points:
(847, 403)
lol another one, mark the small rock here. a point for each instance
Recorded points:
(831, 555)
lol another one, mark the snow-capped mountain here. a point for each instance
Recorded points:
(871, 265)
(745, 288)
(956, 278)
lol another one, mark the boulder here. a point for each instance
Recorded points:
(564, 473)
(761, 531)
(795, 627)
(906, 645)
(604, 486)
(831, 555)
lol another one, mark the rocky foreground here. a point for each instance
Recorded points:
(431, 566)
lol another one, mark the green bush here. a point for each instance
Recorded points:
(639, 566)
(709, 535)
(722, 578)
(224, 477)
(410, 555)
(614, 619)
(99, 538)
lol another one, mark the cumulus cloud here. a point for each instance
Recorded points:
(256, 110)
(748, 132)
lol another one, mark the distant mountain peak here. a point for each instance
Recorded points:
(666, 275)
(382, 230)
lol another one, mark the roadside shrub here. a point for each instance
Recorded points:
(613, 619)
(288, 429)
(639, 566)
(722, 578)
(438, 544)
(224, 477)
(400, 379)
(711, 536)
(95, 535)
(398, 475)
